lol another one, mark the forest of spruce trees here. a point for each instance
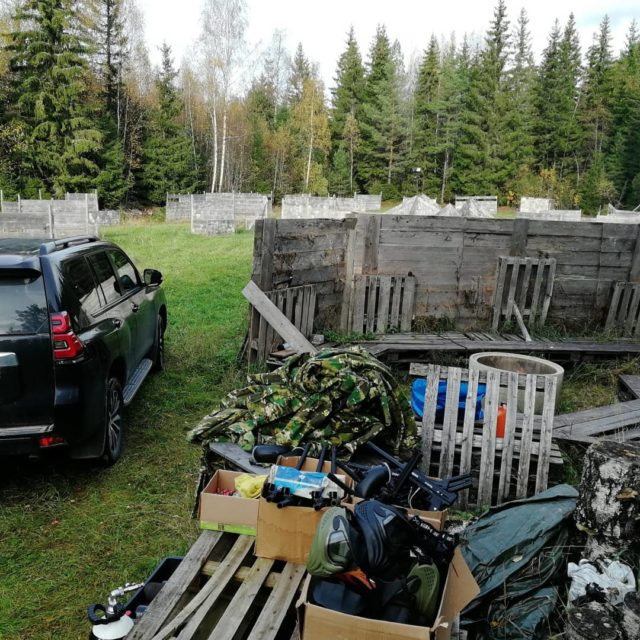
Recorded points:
(82, 108)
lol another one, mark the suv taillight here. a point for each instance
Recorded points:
(66, 344)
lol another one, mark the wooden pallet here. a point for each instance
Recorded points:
(410, 344)
(628, 387)
(220, 590)
(382, 303)
(501, 466)
(624, 309)
(525, 286)
(298, 304)
(619, 422)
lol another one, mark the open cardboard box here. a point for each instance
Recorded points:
(317, 623)
(286, 534)
(227, 513)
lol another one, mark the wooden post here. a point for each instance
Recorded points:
(86, 213)
(634, 272)
(191, 215)
(348, 290)
(519, 237)
(51, 227)
(371, 244)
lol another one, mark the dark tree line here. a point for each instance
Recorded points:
(81, 108)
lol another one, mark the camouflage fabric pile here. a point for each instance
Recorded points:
(338, 397)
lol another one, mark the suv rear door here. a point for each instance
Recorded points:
(27, 384)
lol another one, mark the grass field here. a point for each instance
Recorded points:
(70, 533)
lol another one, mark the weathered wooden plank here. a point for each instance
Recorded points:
(546, 430)
(546, 301)
(236, 456)
(488, 451)
(497, 302)
(242, 600)
(276, 319)
(384, 292)
(422, 370)
(524, 286)
(429, 415)
(407, 304)
(194, 612)
(610, 322)
(372, 243)
(519, 237)
(450, 423)
(632, 314)
(171, 593)
(357, 323)
(394, 318)
(467, 430)
(278, 603)
(630, 384)
(372, 297)
(527, 439)
(506, 463)
(535, 295)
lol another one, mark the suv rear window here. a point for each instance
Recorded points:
(24, 304)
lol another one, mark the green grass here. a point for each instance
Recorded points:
(71, 532)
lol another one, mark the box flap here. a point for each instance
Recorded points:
(461, 587)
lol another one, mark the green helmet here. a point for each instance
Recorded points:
(332, 547)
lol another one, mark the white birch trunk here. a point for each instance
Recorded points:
(224, 145)
(214, 170)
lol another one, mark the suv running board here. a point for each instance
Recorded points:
(136, 381)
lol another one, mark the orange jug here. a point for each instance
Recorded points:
(502, 419)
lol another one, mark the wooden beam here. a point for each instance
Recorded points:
(634, 273)
(519, 237)
(520, 321)
(285, 329)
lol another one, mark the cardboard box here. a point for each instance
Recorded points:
(286, 534)
(317, 623)
(227, 513)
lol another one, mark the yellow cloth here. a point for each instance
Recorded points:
(249, 486)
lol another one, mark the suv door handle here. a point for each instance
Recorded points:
(134, 307)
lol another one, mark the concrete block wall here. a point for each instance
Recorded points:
(77, 214)
(303, 207)
(487, 204)
(562, 215)
(536, 205)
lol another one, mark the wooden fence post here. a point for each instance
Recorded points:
(371, 244)
(634, 273)
(349, 257)
(519, 237)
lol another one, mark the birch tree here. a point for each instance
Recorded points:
(223, 42)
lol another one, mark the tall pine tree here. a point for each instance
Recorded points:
(51, 103)
(168, 160)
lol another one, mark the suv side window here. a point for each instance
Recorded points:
(81, 295)
(105, 276)
(127, 274)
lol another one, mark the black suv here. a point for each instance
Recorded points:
(79, 332)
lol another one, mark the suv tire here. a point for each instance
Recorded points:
(114, 421)
(158, 347)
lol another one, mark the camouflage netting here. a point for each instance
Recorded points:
(340, 397)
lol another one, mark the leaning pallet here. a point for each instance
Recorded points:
(503, 467)
(220, 590)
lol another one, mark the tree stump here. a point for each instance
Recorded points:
(608, 508)
(592, 621)
(631, 615)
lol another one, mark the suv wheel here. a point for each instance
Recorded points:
(158, 348)
(114, 421)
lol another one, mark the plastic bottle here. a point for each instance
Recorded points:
(502, 419)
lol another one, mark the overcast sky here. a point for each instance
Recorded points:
(322, 26)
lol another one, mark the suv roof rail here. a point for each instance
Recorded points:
(64, 243)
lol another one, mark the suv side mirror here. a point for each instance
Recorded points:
(152, 277)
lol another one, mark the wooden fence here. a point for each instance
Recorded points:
(454, 262)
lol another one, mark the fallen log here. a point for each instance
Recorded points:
(608, 508)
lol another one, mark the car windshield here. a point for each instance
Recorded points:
(23, 304)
